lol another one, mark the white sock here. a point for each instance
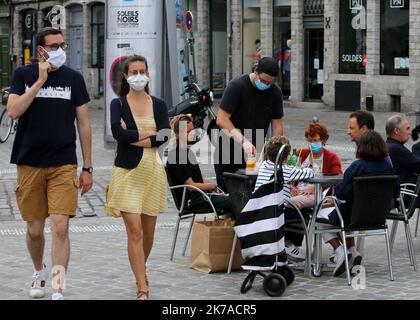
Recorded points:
(339, 249)
(353, 250)
(56, 295)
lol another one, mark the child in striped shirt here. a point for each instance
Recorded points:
(290, 174)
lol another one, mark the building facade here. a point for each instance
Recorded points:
(339, 54)
(84, 31)
(346, 54)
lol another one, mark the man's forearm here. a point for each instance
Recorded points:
(233, 132)
(18, 105)
(85, 133)
(277, 128)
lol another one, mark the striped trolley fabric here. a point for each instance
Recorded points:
(260, 228)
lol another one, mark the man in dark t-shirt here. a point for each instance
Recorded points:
(249, 105)
(48, 97)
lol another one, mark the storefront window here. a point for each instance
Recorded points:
(395, 17)
(219, 53)
(97, 43)
(251, 34)
(98, 36)
(282, 43)
(353, 22)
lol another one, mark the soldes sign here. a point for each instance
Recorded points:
(354, 58)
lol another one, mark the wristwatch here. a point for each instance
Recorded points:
(90, 170)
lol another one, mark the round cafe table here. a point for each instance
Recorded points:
(251, 174)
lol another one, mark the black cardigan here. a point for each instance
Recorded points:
(129, 156)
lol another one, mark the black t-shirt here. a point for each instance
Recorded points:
(46, 134)
(251, 108)
(182, 165)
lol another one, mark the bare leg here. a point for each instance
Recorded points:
(350, 242)
(133, 225)
(149, 225)
(335, 243)
(35, 241)
(60, 243)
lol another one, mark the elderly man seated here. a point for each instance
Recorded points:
(405, 163)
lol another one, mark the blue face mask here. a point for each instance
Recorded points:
(261, 86)
(316, 147)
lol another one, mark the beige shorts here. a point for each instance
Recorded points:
(41, 192)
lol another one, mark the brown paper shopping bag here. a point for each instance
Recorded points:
(211, 245)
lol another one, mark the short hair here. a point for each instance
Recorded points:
(394, 122)
(273, 146)
(40, 36)
(371, 146)
(317, 128)
(364, 118)
(269, 66)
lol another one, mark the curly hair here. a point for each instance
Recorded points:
(273, 146)
(317, 128)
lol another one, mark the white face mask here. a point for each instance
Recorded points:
(138, 82)
(57, 58)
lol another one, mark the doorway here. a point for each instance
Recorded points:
(314, 64)
(76, 38)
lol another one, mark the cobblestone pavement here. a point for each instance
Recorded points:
(99, 267)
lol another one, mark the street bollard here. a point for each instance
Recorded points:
(417, 117)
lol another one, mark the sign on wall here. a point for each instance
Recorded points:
(132, 19)
(397, 4)
(133, 27)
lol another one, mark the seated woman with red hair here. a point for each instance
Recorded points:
(322, 161)
(319, 158)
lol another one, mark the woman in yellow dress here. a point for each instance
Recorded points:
(138, 184)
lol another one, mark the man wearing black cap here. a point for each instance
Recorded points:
(249, 105)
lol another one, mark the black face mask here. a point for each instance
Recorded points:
(198, 134)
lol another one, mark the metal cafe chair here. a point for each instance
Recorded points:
(239, 189)
(179, 193)
(370, 207)
(404, 215)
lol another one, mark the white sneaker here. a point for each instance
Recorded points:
(39, 279)
(57, 296)
(294, 253)
(340, 261)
